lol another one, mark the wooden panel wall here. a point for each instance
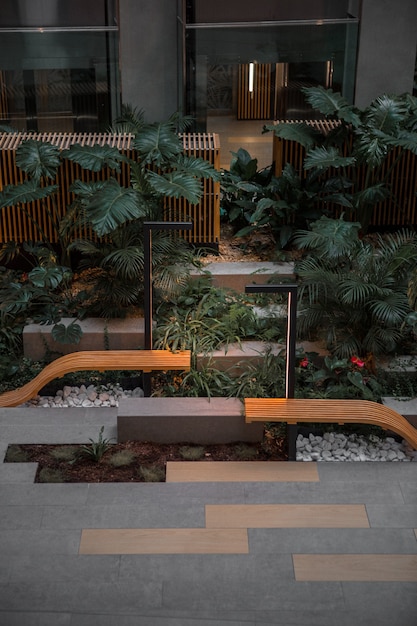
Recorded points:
(17, 225)
(256, 104)
(398, 210)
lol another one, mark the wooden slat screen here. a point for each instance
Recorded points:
(16, 226)
(256, 104)
(400, 209)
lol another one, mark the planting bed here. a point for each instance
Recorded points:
(68, 463)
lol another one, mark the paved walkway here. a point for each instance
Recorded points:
(327, 544)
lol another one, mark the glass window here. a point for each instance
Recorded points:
(279, 61)
(59, 65)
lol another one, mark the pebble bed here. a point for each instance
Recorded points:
(82, 396)
(327, 447)
(339, 447)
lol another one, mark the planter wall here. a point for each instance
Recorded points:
(191, 420)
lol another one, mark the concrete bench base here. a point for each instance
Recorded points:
(192, 420)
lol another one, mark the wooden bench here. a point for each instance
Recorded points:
(294, 411)
(98, 360)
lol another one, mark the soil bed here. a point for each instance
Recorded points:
(68, 463)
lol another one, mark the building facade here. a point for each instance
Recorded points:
(68, 66)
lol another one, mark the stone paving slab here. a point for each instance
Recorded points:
(45, 582)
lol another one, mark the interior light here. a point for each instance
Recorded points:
(251, 71)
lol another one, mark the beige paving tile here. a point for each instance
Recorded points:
(241, 471)
(163, 541)
(355, 567)
(286, 516)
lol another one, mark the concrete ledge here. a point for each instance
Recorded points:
(237, 275)
(191, 420)
(238, 355)
(98, 334)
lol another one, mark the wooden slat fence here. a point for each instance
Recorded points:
(16, 226)
(400, 209)
(256, 104)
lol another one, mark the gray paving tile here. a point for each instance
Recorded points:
(137, 620)
(242, 583)
(152, 515)
(381, 597)
(367, 472)
(388, 516)
(66, 568)
(82, 596)
(20, 618)
(17, 517)
(38, 494)
(18, 472)
(346, 492)
(168, 493)
(409, 491)
(17, 542)
(332, 541)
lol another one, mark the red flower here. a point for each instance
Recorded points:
(304, 362)
(356, 361)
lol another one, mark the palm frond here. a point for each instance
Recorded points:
(111, 206)
(196, 166)
(330, 103)
(300, 132)
(95, 158)
(126, 262)
(324, 157)
(28, 191)
(176, 185)
(131, 120)
(158, 144)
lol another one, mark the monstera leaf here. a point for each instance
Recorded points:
(67, 334)
(38, 159)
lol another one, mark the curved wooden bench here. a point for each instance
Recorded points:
(98, 360)
(297, 410)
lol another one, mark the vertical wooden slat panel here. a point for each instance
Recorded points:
(400, 209)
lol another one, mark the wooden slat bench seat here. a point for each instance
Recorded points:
(298, 410)
(98, 360)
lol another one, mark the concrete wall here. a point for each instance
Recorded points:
(148, 56)
(387, 49)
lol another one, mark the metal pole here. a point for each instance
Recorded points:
(290, 350)
(148, 227)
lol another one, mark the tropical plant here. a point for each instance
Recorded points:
(97, 448)
(333, 377)
(353, 293)
(351, 159)
(117, 214)
(256, 200)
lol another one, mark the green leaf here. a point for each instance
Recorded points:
(323, 158)
(111, 206)
(67, 334)
(176, 185)
(158, 144)
(299, 132)
(196, 166)
(47, 277)
(38, 158)
(95, 158)
(330, 103)
(28, 191)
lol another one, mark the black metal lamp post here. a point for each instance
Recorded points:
(148, 227)
(291, 343)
